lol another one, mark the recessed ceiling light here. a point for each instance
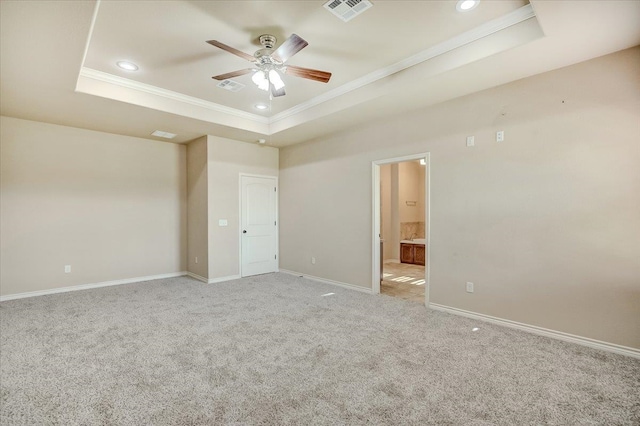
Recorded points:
(129, 66)
(467, 5)
(161, 134)
(261, 106)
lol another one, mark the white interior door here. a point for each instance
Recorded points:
(258, 222)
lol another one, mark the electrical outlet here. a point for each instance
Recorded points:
(471, 140)
(469, 287)
(313, 260)
(196, 259)
(67, 269)
(500, 136)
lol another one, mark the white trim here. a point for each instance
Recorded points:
(402, 159)
(259, 176)
(169, 94)
(559, 335)
(222, 279)
(427, 229)
(377, 229)
(240, 224)
(277, 219)
(90, 286)
(375, 185)
(197, 277)
(90, 35)
(326, 281)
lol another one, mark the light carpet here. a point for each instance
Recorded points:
(272, 350)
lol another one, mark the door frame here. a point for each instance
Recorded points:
(240, 176)
(375, 251)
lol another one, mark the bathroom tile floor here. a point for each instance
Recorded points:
(403, 280)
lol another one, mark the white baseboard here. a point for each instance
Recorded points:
(212, 280)
(323, 280)
(585, 341)
(90, 286)
(197, 277)
(392, 261)
(223, 279)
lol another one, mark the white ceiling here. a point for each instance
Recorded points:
(57, 60)
(178, 59)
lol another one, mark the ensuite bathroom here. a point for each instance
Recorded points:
(402, 230)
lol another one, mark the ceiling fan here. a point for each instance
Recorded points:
(269, 63)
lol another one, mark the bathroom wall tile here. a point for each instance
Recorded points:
(409, 229)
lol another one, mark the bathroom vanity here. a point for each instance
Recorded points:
(412, 251)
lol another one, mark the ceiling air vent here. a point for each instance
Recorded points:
(347, 9)
(162, 134)
(231, 85)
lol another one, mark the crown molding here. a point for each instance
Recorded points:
(169, 94)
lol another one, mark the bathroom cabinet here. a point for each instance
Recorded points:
(412, 253)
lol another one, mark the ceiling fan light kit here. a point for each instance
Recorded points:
(260, 79)
(268, 64)
(275, 79)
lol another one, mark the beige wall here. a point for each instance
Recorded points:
(113, 207)
(394, 241)
(224, 160)
(399, 183)
(546, 223)
(197, 208)
(227, 159)
(411, 188)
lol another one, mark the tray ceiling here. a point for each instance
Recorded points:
(59, 60)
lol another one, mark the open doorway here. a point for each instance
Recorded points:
(401, 227)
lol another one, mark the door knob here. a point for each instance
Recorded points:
(244, 231)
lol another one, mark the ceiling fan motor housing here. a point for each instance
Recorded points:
(268, 41)
(263, 56)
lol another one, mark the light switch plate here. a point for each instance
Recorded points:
(471, 141)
